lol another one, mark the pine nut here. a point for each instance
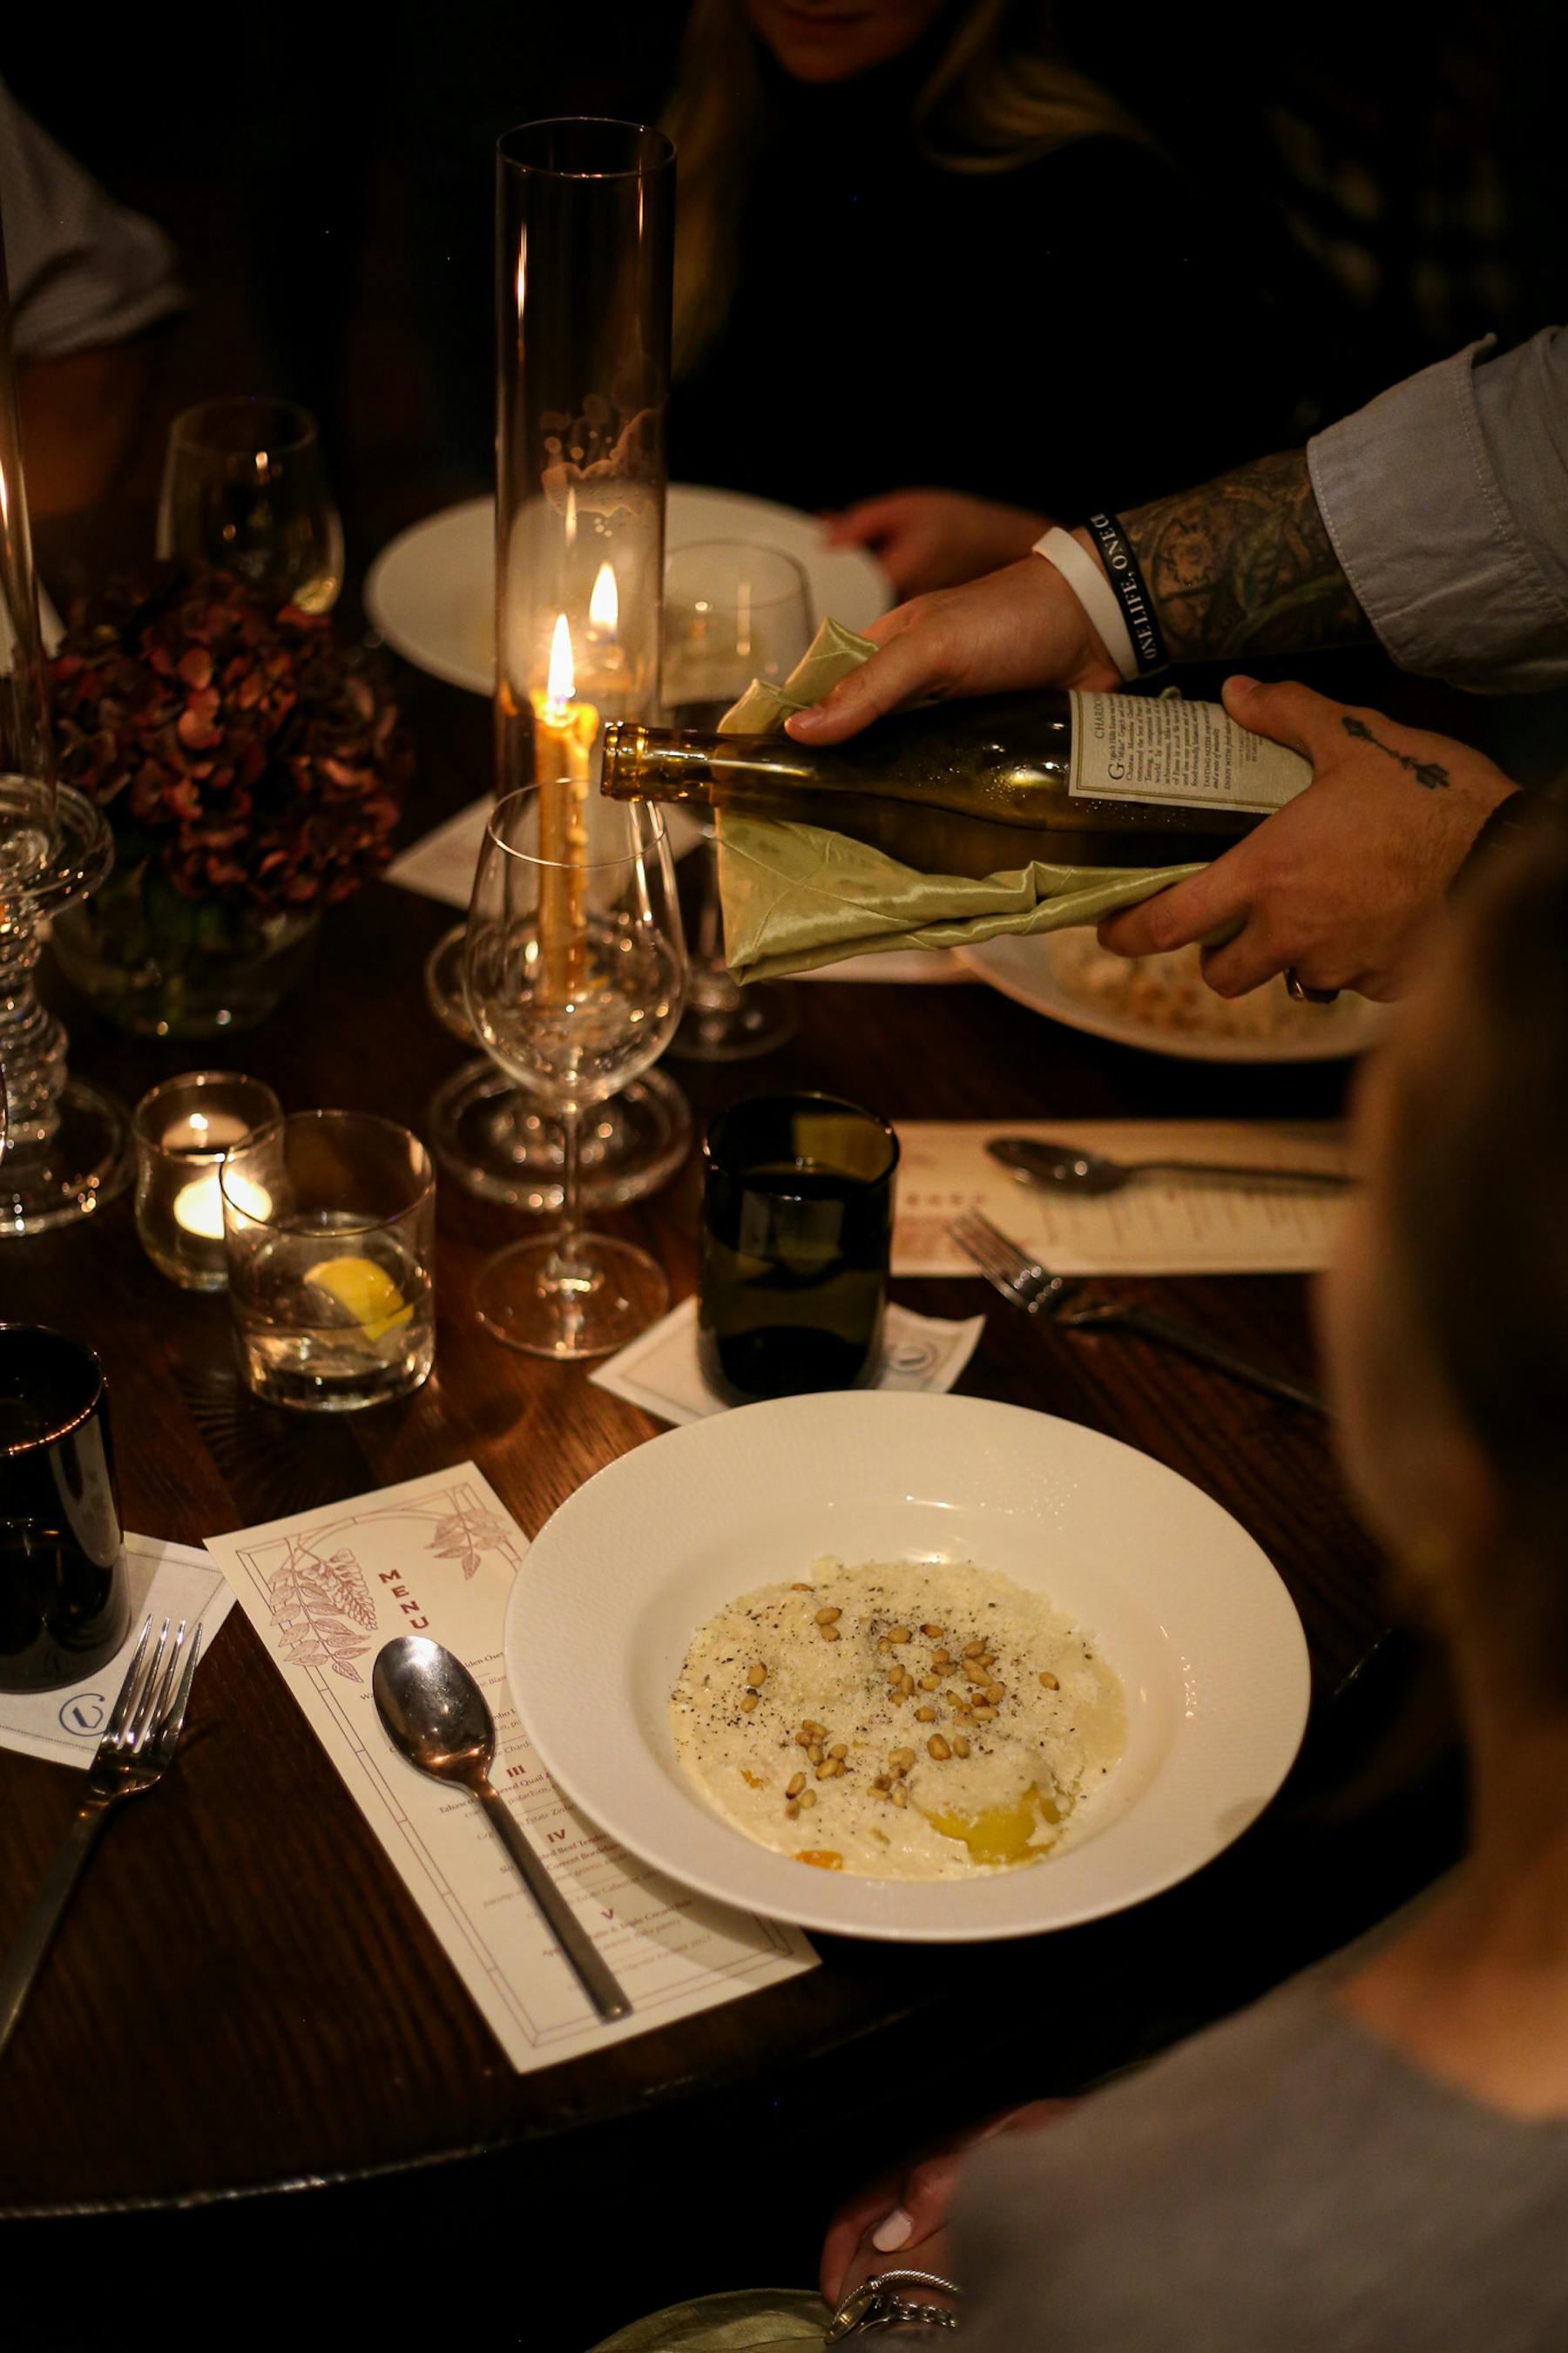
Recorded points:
(826, 1769)
(959, 1744)
(795, 1785)
(1050, 1682)
(803, 1740)
(930, 1683)
(881, 1783)
(925, 1715)
(840, 1748)
(898, 1634)
(830, 1634)
(817, 1731)
(807, 1798)
(814, 1752)
(901, 1759)
(798, 1588)
(995, 1693)
(791, 1811)
(937, 1746)
(748, 1700)
(827, 1616)
(932, 1633)
(757, 1676)
(898, 1794)
(984, 1716)
(973, 1649)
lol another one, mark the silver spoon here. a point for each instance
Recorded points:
(1070, 1169)
(435, 1713)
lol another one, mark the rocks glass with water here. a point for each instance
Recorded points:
(329, 1233)
(573, 974)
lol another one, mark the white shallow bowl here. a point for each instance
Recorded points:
(1178, 1597)
(1028, 969)
(431, 591)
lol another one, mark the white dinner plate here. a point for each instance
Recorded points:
(431, 591)
(1182, 1602)
(1028, 969)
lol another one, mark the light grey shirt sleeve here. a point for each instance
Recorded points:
(1446, 501)
(83, 269)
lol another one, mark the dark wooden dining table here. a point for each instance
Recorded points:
(246, 2033)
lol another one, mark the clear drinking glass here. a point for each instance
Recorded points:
(731, 613)
(330, 1231)
(574, 972)
(245, 487)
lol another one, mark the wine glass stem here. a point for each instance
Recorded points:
(565, 1256)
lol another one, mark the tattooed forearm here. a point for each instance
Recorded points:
(1246, 566)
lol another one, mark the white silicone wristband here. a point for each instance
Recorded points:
(1094, 593)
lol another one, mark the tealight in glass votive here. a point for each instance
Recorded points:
(183, 1129)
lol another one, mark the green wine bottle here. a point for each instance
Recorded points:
(975, 789)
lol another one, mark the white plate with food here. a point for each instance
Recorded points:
(1162, 1003)
(1123, 1680)
(431, 591)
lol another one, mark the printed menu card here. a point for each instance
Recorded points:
(325, 1590)
(1164, 1223)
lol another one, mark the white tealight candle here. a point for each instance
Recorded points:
(185, 1129)
(199, 1206)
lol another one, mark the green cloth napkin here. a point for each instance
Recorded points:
(796, 896)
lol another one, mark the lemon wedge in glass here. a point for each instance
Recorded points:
(366, 1291)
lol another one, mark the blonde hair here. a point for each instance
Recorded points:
(998, 97)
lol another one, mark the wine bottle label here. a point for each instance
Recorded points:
(1128, 747)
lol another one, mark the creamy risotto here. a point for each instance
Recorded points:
(902, 1719)
(1169, 992)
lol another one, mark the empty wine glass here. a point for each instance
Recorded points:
(731, 613)
(573, 975)
(245, 487)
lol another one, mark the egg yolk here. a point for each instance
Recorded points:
(1001, 1834)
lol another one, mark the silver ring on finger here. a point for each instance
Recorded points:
(1297, 987)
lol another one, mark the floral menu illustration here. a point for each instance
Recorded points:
(325, 1590)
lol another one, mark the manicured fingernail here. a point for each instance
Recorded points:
(892, 2232)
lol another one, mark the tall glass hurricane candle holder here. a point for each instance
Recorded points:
(584, 241)
(65, 1144)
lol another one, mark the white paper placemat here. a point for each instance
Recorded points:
(167, 1580)
(1157, 1224)
(325, 1589)
(659, 1371)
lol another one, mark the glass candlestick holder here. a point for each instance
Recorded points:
(585, 248)
(185, 1129)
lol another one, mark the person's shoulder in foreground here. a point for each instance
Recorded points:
(1287, 2181)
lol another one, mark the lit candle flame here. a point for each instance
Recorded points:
(605, 604)
(522, 270)
(562, 683)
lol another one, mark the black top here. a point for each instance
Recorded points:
(1059, 337)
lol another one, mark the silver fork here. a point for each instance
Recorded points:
(137, 1748)
(1026, 1283)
